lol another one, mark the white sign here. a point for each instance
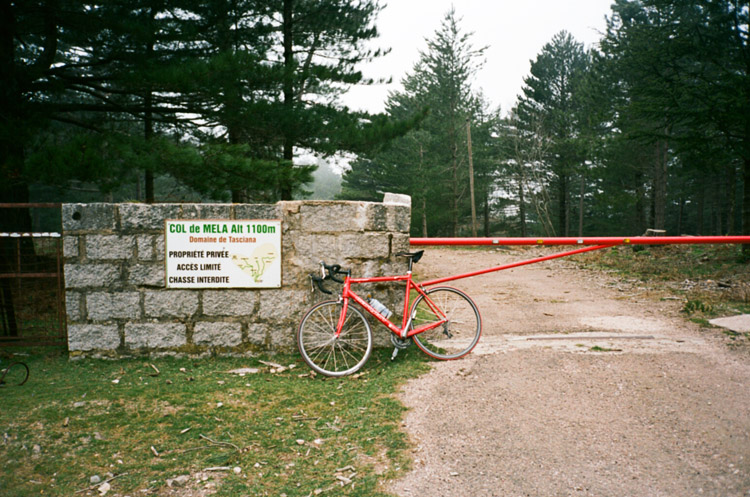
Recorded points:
(223, 254)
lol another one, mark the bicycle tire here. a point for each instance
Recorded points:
(323, 351)
(16, 374)
(459, 335)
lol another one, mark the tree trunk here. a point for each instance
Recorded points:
(660, 185)
(701, 207)
(562, 204)
(522, 205)
(471, 181)
(423, 192)
(148, 106)
(732, 198)
(148, 132)
(13, 190)
(455, 186)
(580, 206)
(746, 203)
(13, 186)
(640, 203)
(486, 215)
(285, 189)
(12, 220)
(717, 204)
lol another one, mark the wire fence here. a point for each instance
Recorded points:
(32, 310)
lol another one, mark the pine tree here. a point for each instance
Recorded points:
(232, 91)
(90, 91)
(431, 163)
(321, 44)
(687, 81)
(549, 105)
(237, 78)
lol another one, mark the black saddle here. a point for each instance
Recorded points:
(415, 256)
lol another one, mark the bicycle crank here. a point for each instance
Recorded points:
(398, 344)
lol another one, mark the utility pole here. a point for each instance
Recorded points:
(424, 194)
(471, 180)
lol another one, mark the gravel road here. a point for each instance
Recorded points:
(577, 388)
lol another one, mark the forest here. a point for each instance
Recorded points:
(212, 98)
(218, 100)
(647, 130)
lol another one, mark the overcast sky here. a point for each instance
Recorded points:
(514, 30)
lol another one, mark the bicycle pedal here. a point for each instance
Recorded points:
(395, 353)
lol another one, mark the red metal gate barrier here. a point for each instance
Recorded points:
(594, 243)
(606, 241)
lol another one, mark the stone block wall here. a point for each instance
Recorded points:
(118, 304)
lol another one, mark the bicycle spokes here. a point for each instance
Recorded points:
(327, 353)
(460, 332)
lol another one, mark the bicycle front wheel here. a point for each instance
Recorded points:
(326, 353)
(456, 337)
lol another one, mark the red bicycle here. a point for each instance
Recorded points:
(335, 339)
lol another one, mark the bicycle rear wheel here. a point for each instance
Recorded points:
(455, 338)
(14, 375)
(323, 351)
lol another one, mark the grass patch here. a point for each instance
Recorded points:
(693, 306)
(674, 262)
(289, 433)
(711, 280)
(597, 348)
(734, 335)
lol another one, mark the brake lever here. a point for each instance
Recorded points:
(329, 272)
(319, 283)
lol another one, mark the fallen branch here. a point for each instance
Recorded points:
(190, 449)
(225, 444)
(305, 418)
(93, 487)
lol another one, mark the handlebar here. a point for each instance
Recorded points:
(328, 272)
(318, 281)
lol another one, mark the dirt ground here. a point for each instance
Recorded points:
(578, 387)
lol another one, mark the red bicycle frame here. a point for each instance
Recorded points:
(593, 243)
(403, 332)
(347, 294)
